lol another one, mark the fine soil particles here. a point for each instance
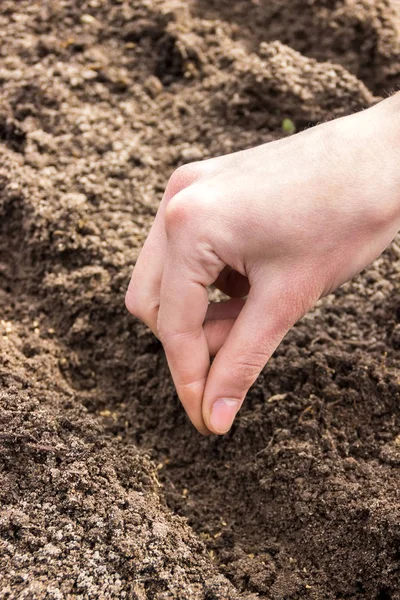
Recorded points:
(106, 490)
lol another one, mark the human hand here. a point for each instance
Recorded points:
(275, 227)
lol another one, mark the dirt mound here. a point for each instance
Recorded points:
(361, 35)
(81, 513)
(106, 489)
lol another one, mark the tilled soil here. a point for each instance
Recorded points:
(106, 490)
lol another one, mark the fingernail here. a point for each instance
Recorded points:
(223, 413)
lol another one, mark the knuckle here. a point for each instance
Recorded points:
(133, 304)
(183, 176)
(170, 337)
(186, 209)
(192, 206)
(177, 212)
(139, 306)
(163, 330)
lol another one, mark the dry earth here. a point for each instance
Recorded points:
(106, 491)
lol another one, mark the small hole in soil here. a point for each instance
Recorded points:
(384, 594)
(360, 587)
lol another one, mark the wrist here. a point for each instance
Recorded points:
(371, 141)
(388, 129)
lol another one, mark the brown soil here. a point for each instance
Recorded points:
(106, 490)
(362, 35)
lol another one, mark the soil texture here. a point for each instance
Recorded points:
(106, 490)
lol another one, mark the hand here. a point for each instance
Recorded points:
(276, 228)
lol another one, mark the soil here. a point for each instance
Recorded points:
(106, 490)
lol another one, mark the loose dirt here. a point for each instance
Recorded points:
(106, 490)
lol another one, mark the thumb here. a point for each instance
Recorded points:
(263, 322)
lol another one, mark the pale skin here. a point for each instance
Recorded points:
(275, 227)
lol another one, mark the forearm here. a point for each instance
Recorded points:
(371, 139)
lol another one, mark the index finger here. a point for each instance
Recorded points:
(190, 266)
(183, 307)
(143, 294)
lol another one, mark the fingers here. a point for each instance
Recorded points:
(228, 309)
(143, 294)
(183, 307)
(219, 321)
(216, 333)
(258, 330)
